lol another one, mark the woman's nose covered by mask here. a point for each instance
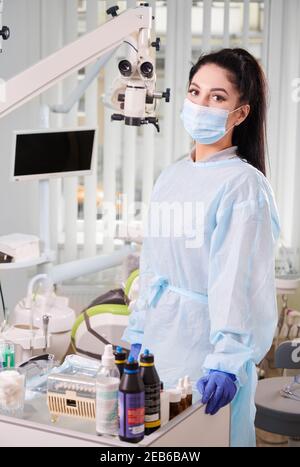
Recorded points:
(206, 125)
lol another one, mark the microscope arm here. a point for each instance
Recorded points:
(81, 88)
(39, 77)
(79, 91)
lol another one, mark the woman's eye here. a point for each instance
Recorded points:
(191, 91)
(218, 98)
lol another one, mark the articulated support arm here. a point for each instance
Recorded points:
(135, 98)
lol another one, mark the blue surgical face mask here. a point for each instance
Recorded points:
(206, 125)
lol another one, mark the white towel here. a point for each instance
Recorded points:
(20, 246)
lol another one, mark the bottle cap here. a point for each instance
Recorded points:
(108, 358)
(120, 354)
(181, 388)
(175, 395)
(188, 385)
(131, 364)
(147, 357)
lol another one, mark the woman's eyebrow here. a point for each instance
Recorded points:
(213, 89)
(220, 89)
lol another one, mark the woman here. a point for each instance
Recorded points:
(207, 302)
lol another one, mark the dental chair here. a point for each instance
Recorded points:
(277, 399)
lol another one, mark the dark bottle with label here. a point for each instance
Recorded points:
(152, 392)
(120, 359)
(131, 404)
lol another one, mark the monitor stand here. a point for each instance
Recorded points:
(44, 206)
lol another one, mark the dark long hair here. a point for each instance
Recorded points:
(246, 74)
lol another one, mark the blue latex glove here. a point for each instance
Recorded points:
(135, 350)
(217, 389)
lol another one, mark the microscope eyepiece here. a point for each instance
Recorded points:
(125, 68)
(147, 69)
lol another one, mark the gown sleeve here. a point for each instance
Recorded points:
(241, 284)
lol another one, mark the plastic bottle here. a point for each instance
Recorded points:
(107, 389)
(107, 386)
(108, 366)
(164, 405)
(8, 355)
(131, 404)
(152, 392)
(181, 388)
(175, 402)
(120, 359)
(189, 390)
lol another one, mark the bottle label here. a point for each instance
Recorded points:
(152, 418)
(152, 405)
(131, 414)
(107, 412)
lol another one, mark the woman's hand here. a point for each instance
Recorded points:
(217, 389)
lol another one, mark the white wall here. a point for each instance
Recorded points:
(18, 201)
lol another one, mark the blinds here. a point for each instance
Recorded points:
(90, 182)
(129, 159)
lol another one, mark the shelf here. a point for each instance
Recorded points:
(27, 263)
(190, 428)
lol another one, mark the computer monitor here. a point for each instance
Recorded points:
(50, 153)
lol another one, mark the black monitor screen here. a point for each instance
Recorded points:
(53, 152)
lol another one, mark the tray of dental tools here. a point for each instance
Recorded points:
(71, 388)
(39, 368)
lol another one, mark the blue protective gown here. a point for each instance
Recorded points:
(212, 305)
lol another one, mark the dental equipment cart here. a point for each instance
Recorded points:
(191, 428)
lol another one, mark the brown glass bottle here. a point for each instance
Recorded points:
(152, 392)
(175, 402)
